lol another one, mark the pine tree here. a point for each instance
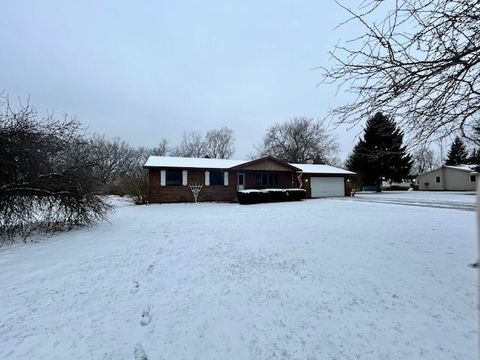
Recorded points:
(458, 153)
(474, 158)
(380, 154)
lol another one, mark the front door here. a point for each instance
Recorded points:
(241, 181)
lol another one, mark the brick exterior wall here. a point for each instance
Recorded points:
(169, 194)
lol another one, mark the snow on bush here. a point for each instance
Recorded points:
(253, 196)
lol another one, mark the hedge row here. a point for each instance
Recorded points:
(270, 195)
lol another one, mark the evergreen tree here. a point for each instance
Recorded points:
(380, 154)
(474, 158)
(458, 153)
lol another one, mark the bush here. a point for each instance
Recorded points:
(397, 188)
(48, 181)
(270, 195)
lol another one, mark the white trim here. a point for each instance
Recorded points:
(207, 178)
(242, 185)
(163, 178)
(184, 177)
(225, 178)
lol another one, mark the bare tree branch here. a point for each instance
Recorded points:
(418, 62)
(193, 145)
(300, 139)
(219, 143)
(47, 177)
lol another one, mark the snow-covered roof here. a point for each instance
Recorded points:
(186, 162)
(463, 167)
(205, 163)
(466, 168)
(322, 169)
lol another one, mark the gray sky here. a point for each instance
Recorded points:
(144, 70)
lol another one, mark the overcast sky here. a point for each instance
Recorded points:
(143, 70)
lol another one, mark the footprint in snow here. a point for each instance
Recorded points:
(146, 317)
(139, 353)
(135, 288)
(150, 268)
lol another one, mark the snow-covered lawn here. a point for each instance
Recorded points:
(318, 279)
(451, 199)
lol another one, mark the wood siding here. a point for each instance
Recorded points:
(450, 179)
(266, 165)
(284, 179)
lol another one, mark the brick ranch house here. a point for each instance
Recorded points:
(169, 178)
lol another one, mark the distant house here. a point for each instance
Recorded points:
(171, 178)
(457, 178)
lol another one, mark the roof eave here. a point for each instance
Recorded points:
(269, 157)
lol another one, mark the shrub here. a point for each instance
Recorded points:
(48, 181)
(397, 188)
(270, 195)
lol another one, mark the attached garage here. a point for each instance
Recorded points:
(324, 180)
(327, 186)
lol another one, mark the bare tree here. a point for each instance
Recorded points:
(47, 177)
(300, 139)
(113, 159)
(193, 145)
(119, 166)
(416, 60)
(424, 159)
(219, 143)
(161, 149)
(135, 181)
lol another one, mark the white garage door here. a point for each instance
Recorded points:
(327, 186)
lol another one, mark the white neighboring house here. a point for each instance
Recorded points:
(456, 178)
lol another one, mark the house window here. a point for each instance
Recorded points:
(173, 177)
(266, 179)
(437, 179)
(473, 178)
(216, 178)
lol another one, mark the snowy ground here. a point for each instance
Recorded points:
(449, 200)
(318, 279)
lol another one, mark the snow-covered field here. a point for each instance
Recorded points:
(318, 279)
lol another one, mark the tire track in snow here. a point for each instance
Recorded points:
(436, 205)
